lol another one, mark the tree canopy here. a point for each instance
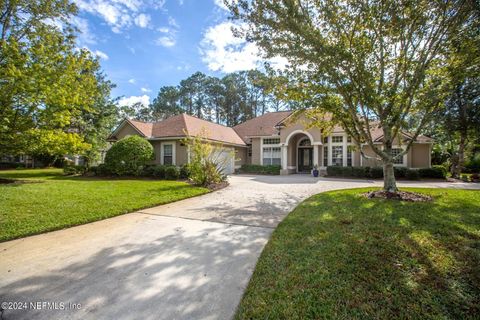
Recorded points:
(229, 100)
(52, 94)
(366, 63)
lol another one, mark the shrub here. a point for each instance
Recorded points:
(334, 171)
(412, 174)
(258, 169)
(128, 156)
(434, 172)
(71, 170)
(172, 173)
(359, 172)
(160, 171)
(376, 172)
(475, 177)
(206, 162)
(10, 165)
(400, 172)
(184, 172)
(102, 170)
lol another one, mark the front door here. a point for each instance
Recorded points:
(305, 159)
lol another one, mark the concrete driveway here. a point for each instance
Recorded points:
(187, 260)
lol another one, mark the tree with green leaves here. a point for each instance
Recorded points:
(46, 83)
(166, 104)
(459, 120)
(365, 64)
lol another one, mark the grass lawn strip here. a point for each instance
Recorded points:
(55, 201)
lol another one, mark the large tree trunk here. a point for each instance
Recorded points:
(389, 182)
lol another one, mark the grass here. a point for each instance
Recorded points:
(341, 256)
(46, 200)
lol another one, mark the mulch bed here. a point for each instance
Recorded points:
(218, 186)
(399, 195)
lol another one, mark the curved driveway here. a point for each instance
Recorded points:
(187, 260)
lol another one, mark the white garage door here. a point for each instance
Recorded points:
(227, 160)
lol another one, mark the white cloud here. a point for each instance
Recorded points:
(145, 90)
(132, 81)
(101, 54)
(172, 22)
(120, 14)
(224, 52)
(85, 35)
(129, 101)
(142, 20)
(221, 4)
(166, 41)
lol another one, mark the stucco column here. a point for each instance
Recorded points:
(315, 155)
(284, 157)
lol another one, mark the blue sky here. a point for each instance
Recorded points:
(146, 44)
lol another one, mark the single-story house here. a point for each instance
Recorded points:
(273, 138)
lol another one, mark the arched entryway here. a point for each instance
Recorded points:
(304, 155)
(299, 152)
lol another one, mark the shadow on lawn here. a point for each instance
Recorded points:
(195, 275)
(345, 256)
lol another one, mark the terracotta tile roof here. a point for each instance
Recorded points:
(261, 126)
(183, 124)
(143, 127)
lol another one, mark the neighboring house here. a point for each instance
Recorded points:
(273, 138)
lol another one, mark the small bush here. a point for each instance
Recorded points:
(159, 171)
(475, 177)
(11, 165)
(172, 173)
(102, 170)
(434, 172)
(376, 173)
(129, 156)
(400, 172)
(258, 169)
(359, 172)
(412, 174)
(184, 172)
(72, 170)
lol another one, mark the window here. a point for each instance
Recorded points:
(271, 140)
(395, 152)
(337, 155)
(325, 139)
(337, 139)
(272, 155)
(249, 150)
(167, 154)
(325, 156)
(349, 158)
(305, 143)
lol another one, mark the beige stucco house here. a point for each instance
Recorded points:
(273, 138)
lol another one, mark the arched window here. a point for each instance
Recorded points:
(305, 143)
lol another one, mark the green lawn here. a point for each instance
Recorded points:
(341, 256)
(49, 201)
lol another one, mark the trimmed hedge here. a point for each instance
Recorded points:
(258, 169)
(434, 172)
(11, 165)
(72, 170)
(377, 172)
